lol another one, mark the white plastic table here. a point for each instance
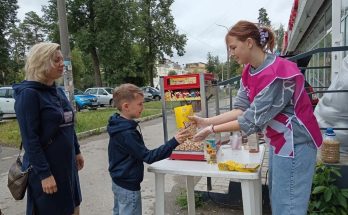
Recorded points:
(250, 182)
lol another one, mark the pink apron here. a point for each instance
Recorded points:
(279, 130)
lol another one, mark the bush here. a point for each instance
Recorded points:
(326, 197)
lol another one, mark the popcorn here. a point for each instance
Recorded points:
(189, 144)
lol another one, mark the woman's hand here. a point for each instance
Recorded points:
(182, 135)
(49, 185)
(204, 133)
(199, 121)
(80, 162)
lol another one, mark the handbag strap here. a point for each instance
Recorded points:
(20, 149)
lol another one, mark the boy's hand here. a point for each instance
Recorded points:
(199, 121)
(182, 135)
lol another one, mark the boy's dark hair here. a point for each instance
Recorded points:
(125, 93)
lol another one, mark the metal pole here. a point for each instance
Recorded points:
(65, 47)
(227, 57)
(164, 110)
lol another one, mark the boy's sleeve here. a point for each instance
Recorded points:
(135, 146)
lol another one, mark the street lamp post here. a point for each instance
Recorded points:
(227, 55)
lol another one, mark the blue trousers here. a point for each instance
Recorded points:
(126, 202)
(290, 180)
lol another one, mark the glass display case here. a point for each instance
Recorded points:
(178, 91)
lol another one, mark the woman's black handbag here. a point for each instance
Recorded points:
(17, 179)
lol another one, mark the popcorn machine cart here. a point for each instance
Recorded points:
(195, 89)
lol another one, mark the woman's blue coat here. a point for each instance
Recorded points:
(46, 123)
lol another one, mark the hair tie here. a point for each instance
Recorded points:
(263, 36)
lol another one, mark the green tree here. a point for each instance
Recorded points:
(119, 19)
(78, 68)
(158, 34)
(17, 54)
(82, 25)
(8, 13)
(33, 28)
(172, 72)
(213, 63)
(263, 17)
(279, 38)
(21, 38)
(235, 68)
(50, 18)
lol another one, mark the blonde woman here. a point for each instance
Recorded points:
(46, 121)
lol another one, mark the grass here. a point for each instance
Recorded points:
(181, 200)
(86, 120)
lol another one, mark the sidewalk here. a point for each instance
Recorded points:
(96, 183)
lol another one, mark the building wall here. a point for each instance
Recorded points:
(195, 67)
(319, 35)
(164, 69)
(321, 32)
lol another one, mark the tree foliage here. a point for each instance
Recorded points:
(224, 70)
(33, 28)
(263, 17)
(279, 38)
(8, 12)
(212, 63)
(158, 34)
(50, 18)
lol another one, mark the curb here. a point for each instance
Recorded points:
(96, 131)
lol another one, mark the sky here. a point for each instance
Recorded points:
(200, 20)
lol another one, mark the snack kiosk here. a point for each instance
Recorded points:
(188, 89)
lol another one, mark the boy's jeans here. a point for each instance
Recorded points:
(126, 202)
(290, 180)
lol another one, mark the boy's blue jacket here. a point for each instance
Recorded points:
(127, 152)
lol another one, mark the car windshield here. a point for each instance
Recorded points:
(78, 92)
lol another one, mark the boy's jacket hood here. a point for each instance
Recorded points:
(118, 124)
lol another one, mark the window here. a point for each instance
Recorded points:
(2, 93)
(101, 91)
(92, 91)
(10, 93)
(109, 90)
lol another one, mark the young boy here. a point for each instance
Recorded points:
(127, 150)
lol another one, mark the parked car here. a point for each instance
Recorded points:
(1, 117)
(103, 94)
(83, 101)
(155, 94)
(6, 100)
(147, 97)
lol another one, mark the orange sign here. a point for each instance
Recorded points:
(180, 81)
